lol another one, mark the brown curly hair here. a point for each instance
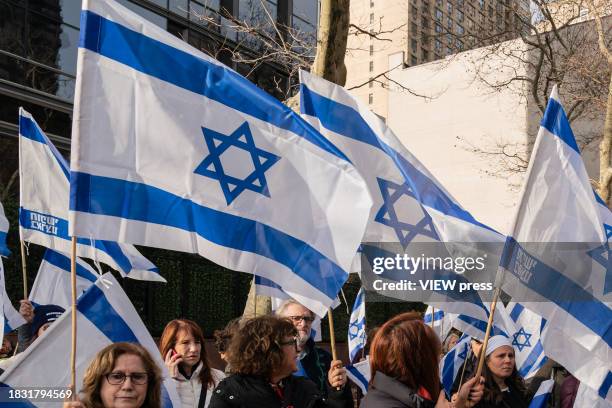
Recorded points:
(103, 364)
(224, 336)
(255, 349)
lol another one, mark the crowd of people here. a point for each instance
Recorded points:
(272, 361)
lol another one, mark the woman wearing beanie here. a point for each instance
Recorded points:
(504, 387)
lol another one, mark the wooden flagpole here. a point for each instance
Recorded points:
(332, 336)
(74, 320)
(483, 349)
(24, 270)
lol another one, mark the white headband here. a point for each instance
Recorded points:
(496, 342)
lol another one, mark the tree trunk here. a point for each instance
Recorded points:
(332, 37)
(605, 165)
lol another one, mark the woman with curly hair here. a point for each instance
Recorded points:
(504, 387)
(404, 357)
(121, 375)
(182, 347)
(262, 356)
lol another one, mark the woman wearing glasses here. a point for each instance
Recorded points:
(182, 348)
(122, 375)
(262, 356)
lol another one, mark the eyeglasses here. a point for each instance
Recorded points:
(298, 319)
(118, 378)
(294, 341)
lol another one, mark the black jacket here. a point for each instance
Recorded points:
(245, 391)
(386, 392)
(317, 362)
(511, 399)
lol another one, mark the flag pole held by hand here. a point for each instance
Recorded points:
(482, 356)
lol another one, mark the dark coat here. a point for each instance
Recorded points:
(316, 363)
(386, 392)
(513, 398)
(245, 391)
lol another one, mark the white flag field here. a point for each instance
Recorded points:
(172, 149)
(105, 316)
(44, 199)
(410, 205)
(52, 283)
(558, 206)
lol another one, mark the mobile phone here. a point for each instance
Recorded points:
(174, 353)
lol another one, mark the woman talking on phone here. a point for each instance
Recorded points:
(182, 347)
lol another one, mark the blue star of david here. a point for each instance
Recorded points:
(603, 256)
(231, 186)
(608, 230)
(356, 330)
(387, 215)
(516, 341)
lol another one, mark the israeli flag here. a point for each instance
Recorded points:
(410, 205)
(357, 326)
(587, 397)
(52, 284)
(44, 196)
(359, 373)
(173, 149)
(4, 226)
(11, 318)
(442, 322)
(525, 327)
(542, 395)
(558, 206)
(452, 363)
(601, 278)
(105, 315)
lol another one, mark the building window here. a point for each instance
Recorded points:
(460, 16)
(371, 99)
(460, 45)
(449, 23)
(449, 50)
(413, 60)
(413, 28)
(371, 66)
(424, 22)
(372, 18)
(439, 3)
(460, 29)
(481, 4)
(413, 45)
(371, 83)
(438, 46)
(438, 15)
(438, 28)
(371, 3)
(449, 7)
(425, 54)
(425, 8)
(460, 3)
(414, 11)
(371, 50)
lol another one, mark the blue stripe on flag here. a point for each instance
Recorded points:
(63, 262)
(29, 129)
(599, 199)
(516, 311)
(546, 281)
(4, 251)
(95, 307)
(194, 74)
(357, 374)
(556, 122)
(539, 401)
(482, 325)
(532, 359)
(448, 372)
(437, 316)
(605, 387)
(107, 196)
(260, 280)
(348, 122)
(112, 249)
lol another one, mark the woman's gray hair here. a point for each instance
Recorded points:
(280, 312)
